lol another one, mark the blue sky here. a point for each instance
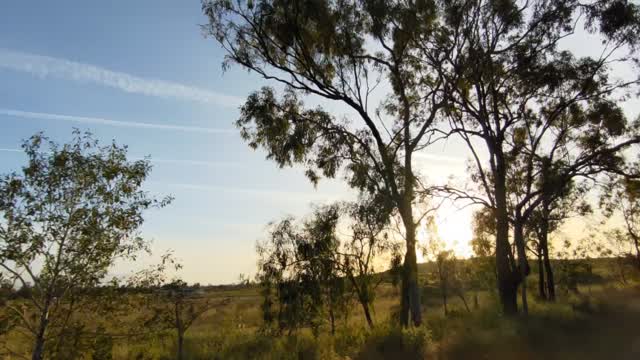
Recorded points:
(119, 68)
(142, 73)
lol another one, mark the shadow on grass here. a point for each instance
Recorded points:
(602, 327)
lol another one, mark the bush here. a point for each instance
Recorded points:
(349, 340)
(395, 343)
(102, 346)
(437, 327)
(294, 347)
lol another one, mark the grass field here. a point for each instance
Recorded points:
(602, 321)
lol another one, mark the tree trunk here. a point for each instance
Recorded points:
(404, 297)
(367, 315)
(636, 242)
(180, 354)
(523, 265)
(38, 346)
(541, 282)
(179, 329)
(620, 263)
(410, 301)
(551, 286)
(444, 301)
(332, 319)
(464, 301)
(507, 286)
(362, 299)
(443, 284)
(543, 240)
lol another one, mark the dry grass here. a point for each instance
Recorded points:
(601, 323)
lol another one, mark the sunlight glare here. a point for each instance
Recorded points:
(454, 228)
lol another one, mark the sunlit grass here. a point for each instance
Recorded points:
(598, 322)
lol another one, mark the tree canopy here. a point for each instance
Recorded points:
(491, 73)
(67, 217)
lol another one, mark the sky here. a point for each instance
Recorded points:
(141, 72)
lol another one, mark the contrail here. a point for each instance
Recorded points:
(108, 122)
(265, 194)
(203, 163)
(11, 150)
(51, 67)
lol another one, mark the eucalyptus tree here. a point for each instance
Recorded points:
(298, 273)
(622, 196)
(368, 56)
(533, 115)
(318, 266)
(548, 184)
(554, 210)
(452, 277)
(367, 242)
(67, 217)
(319, 252)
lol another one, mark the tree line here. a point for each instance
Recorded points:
(540, 123)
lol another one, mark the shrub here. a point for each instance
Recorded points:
(395, 343)
(294, 347)
(102, 346)
(349, 340)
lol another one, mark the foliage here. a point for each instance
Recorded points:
(621, 196)
(454, 278)
(308, 272)
(297, 267)
(534, 116)
(373, 57)
(483, 227)
(483, 265)
(103, 346)
(72, 212)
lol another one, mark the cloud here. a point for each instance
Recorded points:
(435, 157)
(50, 67)
(195, 162)
(101, 121)
(161, 161)
(264, 194)
(11, 150)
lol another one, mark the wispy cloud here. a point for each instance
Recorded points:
(51, 67)
(264, 194)
(202, 163)
(196, 162)
(11, 150)
(437, 157)
(108, 122)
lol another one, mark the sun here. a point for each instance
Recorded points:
(453, 229)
